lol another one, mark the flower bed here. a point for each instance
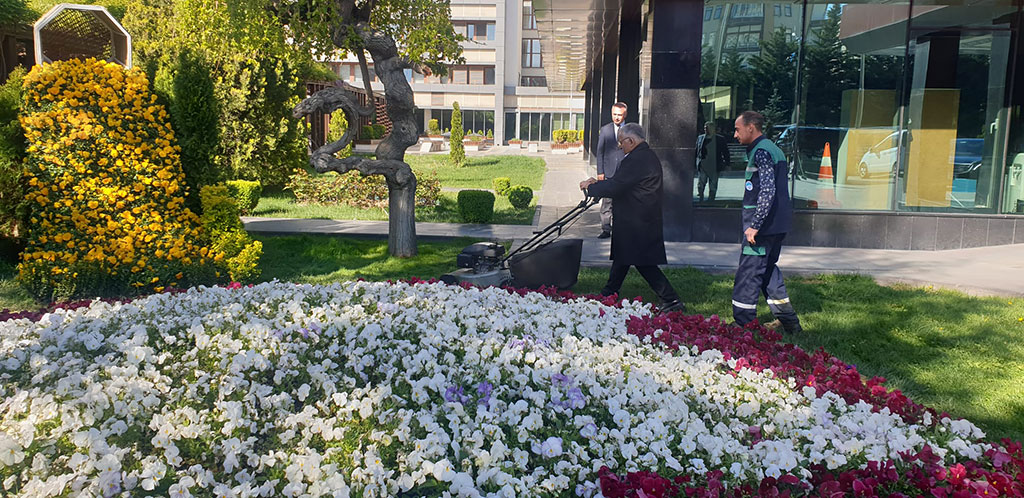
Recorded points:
(376, 389)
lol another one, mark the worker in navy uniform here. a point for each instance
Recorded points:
(638, 239)
(608, 157)
(767, 217)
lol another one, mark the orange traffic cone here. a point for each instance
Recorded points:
(827, 194)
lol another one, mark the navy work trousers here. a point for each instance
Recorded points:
(758, 273)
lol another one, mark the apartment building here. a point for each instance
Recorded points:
(502, 86)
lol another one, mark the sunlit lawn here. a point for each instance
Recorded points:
(478, 173)
(946, 350)
(283, 205)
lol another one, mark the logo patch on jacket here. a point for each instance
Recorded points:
(749, 185)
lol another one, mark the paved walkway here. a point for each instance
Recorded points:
(997, 270)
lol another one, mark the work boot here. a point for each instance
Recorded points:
(788, 329)
(604, 234)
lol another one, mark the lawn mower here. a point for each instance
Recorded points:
(538, 262)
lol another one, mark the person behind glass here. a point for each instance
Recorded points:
(767, 216)
(712, 157)
(608, 157)
(638, 239)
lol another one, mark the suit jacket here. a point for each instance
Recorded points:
(721, 150)
(608, 152)
(638, 238)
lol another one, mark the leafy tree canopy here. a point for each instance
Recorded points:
(422, 29)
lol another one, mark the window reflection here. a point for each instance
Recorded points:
(912, 102)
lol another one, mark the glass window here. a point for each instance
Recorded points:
(510, 125)
(471, 31)
(408, 75)
(718, 12)
(545, 127)
(460, 76)
(707, 13)
(749, 62)
(533, 81)
(488, 75)
(531, 53)
(529, 20)
(789, 11)
(476, 76)
(461, 29)
(778, 10)
(490, 31)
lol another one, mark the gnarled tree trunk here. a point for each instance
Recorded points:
(390, 160)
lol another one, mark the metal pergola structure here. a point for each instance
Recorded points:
(70, 31)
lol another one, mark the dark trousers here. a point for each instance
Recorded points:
(651, 273)
(759, 274)
(707, 175)
(606, 215)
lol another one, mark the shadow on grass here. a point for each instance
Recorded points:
(324, 259)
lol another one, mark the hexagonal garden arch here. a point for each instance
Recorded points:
(71, 31)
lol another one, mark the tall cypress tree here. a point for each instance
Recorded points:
(458, 151)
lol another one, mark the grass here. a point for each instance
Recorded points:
(283, 205)
(477, 174)
(949, 351)
(12, 296)
(480, 170)
(322, 259)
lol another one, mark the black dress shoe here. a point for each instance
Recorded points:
(604, 235)
(671, 306)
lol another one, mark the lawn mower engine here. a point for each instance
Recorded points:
(536, 263)
(480, 264)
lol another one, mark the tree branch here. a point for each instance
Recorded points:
(327, 101)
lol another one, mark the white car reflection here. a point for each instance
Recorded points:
(882, 158)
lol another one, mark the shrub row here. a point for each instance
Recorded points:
(567, 136)
(354, 189)
(245, 193)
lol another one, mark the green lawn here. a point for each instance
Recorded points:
(322, 259)
(946, 350)
(12, 296)
(480, 170)
(477, 174)
(283, 205)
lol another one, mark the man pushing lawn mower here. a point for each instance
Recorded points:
(638, 239)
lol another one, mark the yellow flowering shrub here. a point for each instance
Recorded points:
(105, 186)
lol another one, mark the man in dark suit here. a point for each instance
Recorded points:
(638, 239)
(608, 157)
(712, 158)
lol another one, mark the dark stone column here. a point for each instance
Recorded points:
(609, 66)
(594, 111)
(672, 122)
(630, 42)
(588, 95)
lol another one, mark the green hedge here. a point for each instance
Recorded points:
(520, 196)
(246, 194)
(354, 189)
(501, 185)
(476, 206)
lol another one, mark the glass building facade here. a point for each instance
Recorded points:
(917, 102)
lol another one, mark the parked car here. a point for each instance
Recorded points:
(883, 157)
